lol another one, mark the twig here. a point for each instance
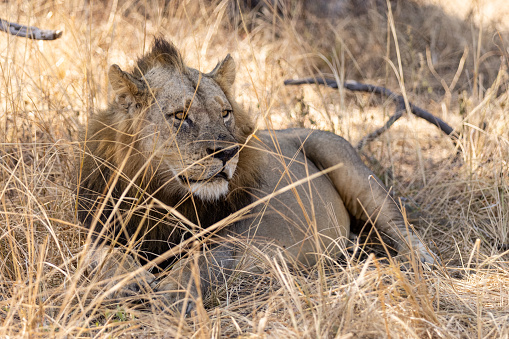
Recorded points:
(373, 135)
(398, 99)
(30, 32)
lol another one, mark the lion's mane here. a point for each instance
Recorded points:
(123, 196)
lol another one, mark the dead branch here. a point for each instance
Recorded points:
(375, 134)
(384, 92)
(29, 32)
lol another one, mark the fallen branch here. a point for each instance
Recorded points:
(384, 92)
(373, 135)
(29, 32)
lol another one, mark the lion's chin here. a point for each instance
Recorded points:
(209, 190)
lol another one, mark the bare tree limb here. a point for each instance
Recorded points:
(384, 92)
(30, 32)
(375, 134)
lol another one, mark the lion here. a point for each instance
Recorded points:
(174, 156)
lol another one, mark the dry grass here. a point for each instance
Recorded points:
(460, 207)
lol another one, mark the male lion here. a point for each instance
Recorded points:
(173, 155)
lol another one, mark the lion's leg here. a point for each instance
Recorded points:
(117, 273)
(209, 269)
(362, 193)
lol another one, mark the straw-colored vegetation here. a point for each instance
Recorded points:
(454, 65)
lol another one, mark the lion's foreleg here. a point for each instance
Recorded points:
(117, 273)
(191, 278)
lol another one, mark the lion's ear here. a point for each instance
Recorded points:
(224, 72)
(125, 86)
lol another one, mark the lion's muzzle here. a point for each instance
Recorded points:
(223, 153)
(209, 177)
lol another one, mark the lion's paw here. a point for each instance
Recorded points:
(425, 255)
(112, 271)
(138, 286)
(173, 296)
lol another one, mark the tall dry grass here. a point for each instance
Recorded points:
(458, 203)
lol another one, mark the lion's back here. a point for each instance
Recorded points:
(302, 198)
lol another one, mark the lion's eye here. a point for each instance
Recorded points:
(180, 115)
(226, 113)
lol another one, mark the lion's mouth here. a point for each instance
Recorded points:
(218, 176)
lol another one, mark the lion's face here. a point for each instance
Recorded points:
(186, 127)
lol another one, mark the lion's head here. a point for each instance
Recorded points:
(176, 123)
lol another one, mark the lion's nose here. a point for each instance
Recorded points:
(223, 153)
